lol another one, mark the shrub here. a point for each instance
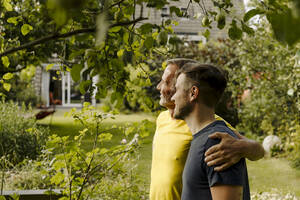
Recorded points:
(20, 135)
(100, 170)
(22, 89)
(26, 176)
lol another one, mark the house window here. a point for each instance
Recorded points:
(165, 12)
(184, 13)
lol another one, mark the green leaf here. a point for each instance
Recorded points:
(60, 16)
(205, 21)
(158, 4)
(8, 76)
(129, 130)
(125, 37)
(163, 38)
(234, 32)
(7, 86)
(285, 26)
(15, 196)
(25, 29)
(206, 34)
(75, 72)
(5, 61)
(115, 29)
(148, 42)
(57, 178)
(13, 20)
(7, 5)
(120, 53)
(103, 150)
(48, 67)
(247, 29)
(103, 137)
(221, 20)
(84, 86)
(146, 28)
(252, 13)
(176, 10)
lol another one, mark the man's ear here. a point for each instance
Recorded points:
(194, 92)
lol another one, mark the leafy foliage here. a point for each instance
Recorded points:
(25, 176)
(20, 85)
(84, 173)
(20, 136)
(106, 38)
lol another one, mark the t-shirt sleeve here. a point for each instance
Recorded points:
(231, 176)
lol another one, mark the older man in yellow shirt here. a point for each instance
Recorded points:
(172, 139)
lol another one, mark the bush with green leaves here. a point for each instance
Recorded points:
(21, 87)
(271, 71)
(20, 136)
(25, 176)
(89, 173)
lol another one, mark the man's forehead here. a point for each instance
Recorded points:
(180, 79)
(170, 70)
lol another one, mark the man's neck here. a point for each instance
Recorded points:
(171, 111)
(199, 118)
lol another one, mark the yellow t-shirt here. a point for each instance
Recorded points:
(171, 145)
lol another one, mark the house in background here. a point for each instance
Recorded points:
(56, 87)
(189, 26)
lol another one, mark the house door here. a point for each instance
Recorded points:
(55, 94)
(71, 95)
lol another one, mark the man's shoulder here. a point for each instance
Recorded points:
(217, 117)
(164, 114)
(222, 126)
(217, 126)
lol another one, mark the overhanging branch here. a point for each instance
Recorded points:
(65, 35)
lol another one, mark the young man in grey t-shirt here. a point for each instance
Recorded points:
(198, 90)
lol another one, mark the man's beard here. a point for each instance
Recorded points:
(166, 101)
(183, 112)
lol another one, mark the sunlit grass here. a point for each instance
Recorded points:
(267, 175)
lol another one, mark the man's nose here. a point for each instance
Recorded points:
(172, 98)
(158, 86)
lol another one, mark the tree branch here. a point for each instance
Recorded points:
(65, 35)
(115, 4)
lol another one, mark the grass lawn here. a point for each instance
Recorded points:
(273, 174)
(266, 175)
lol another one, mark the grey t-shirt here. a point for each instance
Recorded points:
(198, 177)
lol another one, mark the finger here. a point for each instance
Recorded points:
(222, 167)
(217, 161)
(212, 157)
(212, 150)
(218, 135)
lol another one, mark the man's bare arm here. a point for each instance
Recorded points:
(230, 150)
(226, 192)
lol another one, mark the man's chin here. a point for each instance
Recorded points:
(176, 116)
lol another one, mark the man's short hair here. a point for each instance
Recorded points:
(180, 62)
(210, 80)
